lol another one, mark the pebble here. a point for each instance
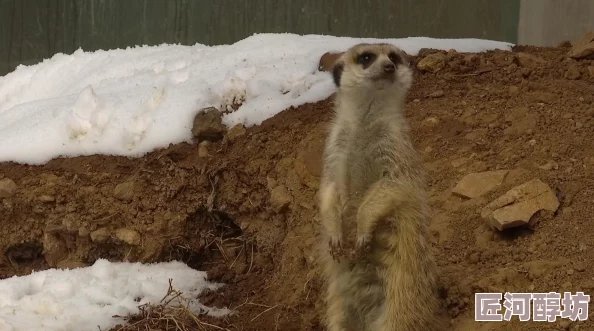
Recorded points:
(7, 188)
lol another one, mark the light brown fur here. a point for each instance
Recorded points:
(372, 200)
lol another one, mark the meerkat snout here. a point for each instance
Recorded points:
(389, 68)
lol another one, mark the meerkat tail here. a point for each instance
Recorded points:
(411, 301)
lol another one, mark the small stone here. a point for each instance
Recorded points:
(573, 72)
(46, 198)
(433, 62)
(565, 324)
(570, 271)
(7, 188)
(476, 184)
(579, 266)
(124, 191)
(528, 60)
(584, 48)
(100, 235)
(428, 149)
(549, 165)
(54, 249)
(280, 198)
(208, 125)
(579, 125)
(591, 71)
(271, 183)
(517, 206)
(437, 94)
(128, 236)
(459, 162)
(236, 131)
(204, 149)
(588, 284)
(514, 90)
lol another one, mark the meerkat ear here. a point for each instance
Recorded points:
(337, 73)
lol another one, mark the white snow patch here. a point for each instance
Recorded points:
(86, 298)
(130, 101)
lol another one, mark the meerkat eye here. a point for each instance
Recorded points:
(395, 58)
(366, 58)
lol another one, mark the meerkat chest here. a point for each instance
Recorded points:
(363, 165)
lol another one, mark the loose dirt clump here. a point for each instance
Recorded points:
(243, 207)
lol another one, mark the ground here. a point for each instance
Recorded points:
(244, 208)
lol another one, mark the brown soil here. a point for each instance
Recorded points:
(224, 213)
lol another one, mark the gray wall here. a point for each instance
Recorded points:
(31, 30)
(549, 22)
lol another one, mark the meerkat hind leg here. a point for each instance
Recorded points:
(379, 200)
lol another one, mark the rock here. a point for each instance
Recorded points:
(588, 284)
(433, 62)
(100, 235)
(7, 188)
(565, 324)
(544, 97)
(437, 94)
(280, 198)
(327, 61)
(528, 60)
(514, 90)
(46, 198)
(423, 52)
(549, 166)
(573, 72)
(204, 149)
(128, 236)
(54, 249)
(124, 191)
(579, 266)
(584, 48)
(476, 184)
(459, 162)
(518, 205)
(236, 131)
(208, 125)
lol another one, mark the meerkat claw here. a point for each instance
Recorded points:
(336, 249)
(362, 246)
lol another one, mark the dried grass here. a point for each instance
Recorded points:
(166, 316)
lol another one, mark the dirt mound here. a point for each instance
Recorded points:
(244, 208)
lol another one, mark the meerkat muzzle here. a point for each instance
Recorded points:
(389, 68)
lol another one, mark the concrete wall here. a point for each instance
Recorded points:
(549, 22)
(31, 30)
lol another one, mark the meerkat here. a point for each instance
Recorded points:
(379, 269)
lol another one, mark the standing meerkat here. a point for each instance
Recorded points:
(372, 199)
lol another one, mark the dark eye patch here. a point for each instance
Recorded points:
(366, 59)
(395, 58)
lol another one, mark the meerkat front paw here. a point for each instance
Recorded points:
(336, 248)
(362, 246)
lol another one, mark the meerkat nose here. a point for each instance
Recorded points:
(389, 67)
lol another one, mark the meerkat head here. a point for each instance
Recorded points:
(373, 67)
